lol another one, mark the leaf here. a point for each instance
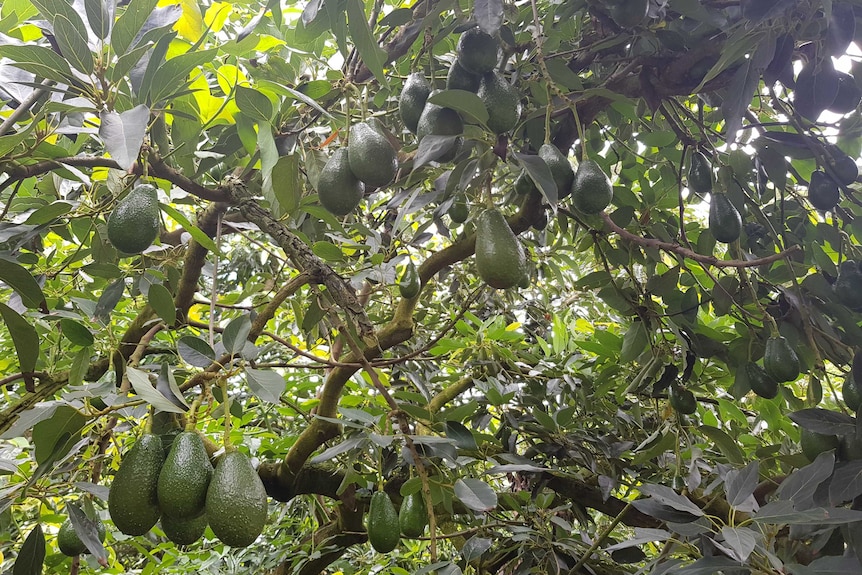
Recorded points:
(366, 43)
(824, 421)
(743, 86)
(195, 351)
(739, 485)
(668, 496)
(347, 445)
(725, 443)
(476, 494)
(53, 437)
(124, 133)
(236, 334)
(642, 535)
(161, 300)
(475, 547)
(268, 153)
(197, 234)
(706, 566)
(30, 418)
(514, 467)
(145, 390)
(783, 512)
(25, 285)
(39, 60)
(253, 103)
(85, 529)
(80, 366)
(846, 483)
(461, 435)
(540, 173)
(166, 384)
(327, 251)
(129, 24)
(173, 75)
(100, 15)
(24, 337)
(108, 300)
(634, 342)
(831, 565)
(31, 557)
(463, 102)
(489, 15)
(799, 487)
(659, 510)
(741, 541)
(432, 147)
(73, 44)
(266, 384)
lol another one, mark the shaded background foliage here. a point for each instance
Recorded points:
(538, 417)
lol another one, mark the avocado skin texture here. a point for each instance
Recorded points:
(412, 100)
(591, 188)
(134, 223)
(413, 515)
(822, 191)
(372, 159)
(477, 51)
(69, 542)
(560, 168)
(524, 184)
(779, 360)
(133, 498)
(236, 501)
(460, 79)
(628, 13)
(440, 121)
(760, 382)
(848, 96)
(500, 258)
(682, 400)
(383, 528)
(725, 223)
(848, 286)
(184, 531)
(813, 443)
(502, 101)
(409, 284)
(700, 174)
(459, 211)
(338, 189)
(852, 393)
(184, 477)
(816, 88)
(843, 166)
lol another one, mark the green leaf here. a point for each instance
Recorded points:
(725, 443)
(475, 494)
(39, 60)
(100, 15)
(328, 251)
(31, 557)
(266, 384)
(540, 173)
(166, 384)
(76, 332)
(196, 233)
(236, 333)
(124, 133)
(145, 390)
(634, 342)
(161, 300)
(54, 436)
(366, 43)
(195, 351)
(24, 337)
(466, 103)
(80, 366)
(740, 540)
(253, 104)
(129, 24)
(268, 153)
(25, 285)
(461, 435)
(50, 213)
(73, 44)
(109, 299)
(173, 75)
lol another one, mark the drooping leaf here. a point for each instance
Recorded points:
(166, 384)
(100, 15)
(489, 15)
(161, 300)
(461, 435)
(366, 44)
(540, 173)
(109, 299)
(129, 25)
(87, 532)
(53, 437)
(824, 421)
(801, 485)
(466, 103)
(236, 334)
(124, 133)
(740, 485)
(24, 337)
(254, 104)
(25, 285)
(31, 556)
(195, 351)
(144, 388)
(266, 384)
(476, 494)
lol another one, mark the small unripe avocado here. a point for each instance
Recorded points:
(822, 191)
(460, 79)
(502, 101)
(383, 528)
(372, 158)
(413, 515)
(414, 94)
(560, 168)
(134, 223)
(813, 443)
(591, 188)
(725, 223)
(133, 498)
(184, 477)
(848, 285)
(236, 501)
(500, 258)
(69, 542)
(682, 400)
(409, 284)
(459, 211)
(779, 360)
(700, 174)
(477, 51)
(338, 189)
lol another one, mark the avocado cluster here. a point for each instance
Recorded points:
(385, 525)
(186, 493)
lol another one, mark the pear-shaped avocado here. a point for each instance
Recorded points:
(852, 393)
(682, 400)
(133, 498)
(848, 97)
(813, 443)
(413, 515)
(414, 94)
(822, 191)
(477, 51)
(848, 285)
(502, 101)
(440, 121)
(779, 360)
(69, 542)
(591, 188)
(628, 13)
(560, 168)
(134, 223)
(725, 223)
(816, 88)
(500, 258)
(184, 531)
(236, 501)
(339, 190)
(460, 79)
(843, 166)
(409, 284)
(185, 477)
(524, 184)
(372, 159)
(459, 211)
(700, 174)
(760, 382)
(383, 528)
(541, 221)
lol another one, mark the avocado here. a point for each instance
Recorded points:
(69, 542)
(848, 96)
(628, 13)
(779, 360)
(700, 174)
(822, 191)
(500, 258)
(383, 529)
(725, 223)
(560, 168)
(816, 88)
(477, 52)
(134, 223)
(852, 393)
(413, 515)
(414, 94)
(460, 79)
(502, 101)
(133, 498)
(843, 166)
(184, 531)
(236, 501)
(524, 184)
(848, 285)
(338, 189)
(459, 211)
(849, 448)
(409, 284)
(541, 221)
(184, 477)
(682, 400)
(760, 382)
(591, 188)
(440, 121)
(813, 443)
(372, 159)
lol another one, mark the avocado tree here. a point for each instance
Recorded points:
(453, 287)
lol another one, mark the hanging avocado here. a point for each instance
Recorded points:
(760, 382)
(502, 101)
(524, 184)
(134, 223)
(477, 52)
(725, 223)
(459, 211)
(560, 168)
(813, 443)
(440, 121)
(848, 285)
(682, 400)
(500, 258)
(700, 176)
(383, 528)
(338, 189)
(591, 188)
(779, 360)
(133, 498)
(372, 159)
(822, 191)
(413, 515)
(409, 284)
(460, 79)
(414, 94)
(852, 393)
(843, 166)
(848, 97)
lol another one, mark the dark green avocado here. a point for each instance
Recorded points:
(184, 477)
(133, 497)
(725, 223)
(338, 189)
(134, 223)
(500, 258)
(414, 94)
(372, 158)
(502, 101)
(236, 503)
